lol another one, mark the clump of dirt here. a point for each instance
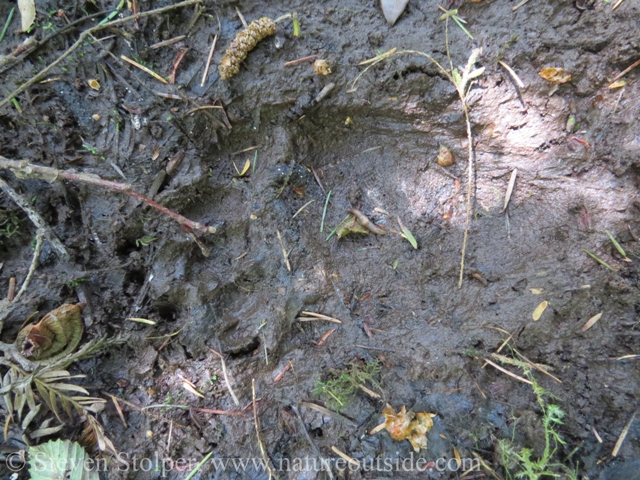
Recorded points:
(373, 146)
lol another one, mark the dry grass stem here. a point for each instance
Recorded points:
(345, 456)
(504, 370)
(256, 421)
(623, 435)
(206, 68)
(284, 251)
(143, 68)
(318, 316)
(226, 377)
(512, 73)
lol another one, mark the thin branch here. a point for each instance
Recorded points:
(24, 169)
(34, 263)
(83, 36)
(35, 218)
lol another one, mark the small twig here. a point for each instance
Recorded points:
(206, 68)
(25, 169)
(166, 43)
(256, 421)
(34, 216)
(300, 60)
(83, 37)
(34, 263)
(226, 377)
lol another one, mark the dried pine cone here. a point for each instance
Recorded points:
(244, 42)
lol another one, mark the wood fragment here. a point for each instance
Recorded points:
(11, 292)
(623, 435)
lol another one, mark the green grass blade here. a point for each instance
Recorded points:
(324, 211)
(601, 262)
(459, 23)
(616, 244)
(6, 24)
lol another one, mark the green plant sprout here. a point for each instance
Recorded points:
(341, 386)
(521, 458)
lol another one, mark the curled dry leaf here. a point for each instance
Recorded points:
(321, 67)
(56, 335)
(27, 13)
(408, 426)
(392, 9)
(555, 75)
(445, 157)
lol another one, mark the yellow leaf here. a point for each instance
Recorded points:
(246, 167)
(591, 322)
(537, 313)
(555, 75)
(618, 84)
(93, 83)
(27, 13)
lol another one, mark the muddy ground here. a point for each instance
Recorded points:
(374, 149)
